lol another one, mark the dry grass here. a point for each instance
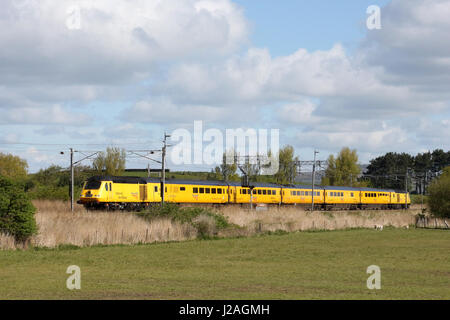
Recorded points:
(59, 226)
(295, 219)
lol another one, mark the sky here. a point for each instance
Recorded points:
(93, 74)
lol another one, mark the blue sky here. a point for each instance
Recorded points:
(134, 69)
(315, 25)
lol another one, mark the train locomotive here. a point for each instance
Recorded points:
(135, 193)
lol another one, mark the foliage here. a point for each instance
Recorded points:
(342, 170)
(53, 183)
(439, 195)
(192, 215)
(286, 172)
(227, 171)
(110, 163)
(16, 210)
(388, 171)
(13, 167)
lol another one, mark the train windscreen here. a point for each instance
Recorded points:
(94, 184)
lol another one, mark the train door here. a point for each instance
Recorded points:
(142, 192)
(108, 191)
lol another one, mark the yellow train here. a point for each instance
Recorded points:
(134, 193)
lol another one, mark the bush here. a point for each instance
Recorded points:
(204, 220)
(439, 195)
(16, 211)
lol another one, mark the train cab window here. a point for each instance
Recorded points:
(213, 190)
(202, 190)
(207, 190)
(182, 189)
(194, 190)
(106, 186)
(156, 189)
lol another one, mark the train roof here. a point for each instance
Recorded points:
(143, 180)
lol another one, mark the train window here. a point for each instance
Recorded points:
(264, 191)
(182, 189)
(202, 190)
(156, 189)
(165, 189)
(269, 192)
(213, 190)
(274, 192)
(342, 194)
(351, 194)
(207, 190)
(110, 186)
(106, 186)
(259, 191)
(292, 193)
(240, 191)
(219, 190)
(194, 190)
(318, 193)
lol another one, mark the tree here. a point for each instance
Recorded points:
(13, 167)
(388, 171)
(439, 195)
(342, 170)
(286, 169)
(16, 210)
(110, 163)
(226, 171)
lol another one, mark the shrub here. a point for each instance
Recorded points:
(439, 195)
(16, 211)
(204, 220)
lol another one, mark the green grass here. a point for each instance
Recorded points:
(415, 264)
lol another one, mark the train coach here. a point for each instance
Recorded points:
(134, 193)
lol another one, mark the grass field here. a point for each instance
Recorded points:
(415, 264)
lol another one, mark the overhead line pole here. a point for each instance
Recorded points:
(163, 169)
(313, 180)
(71, 179)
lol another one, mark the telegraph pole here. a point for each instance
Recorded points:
(313, 179)
(163, 168)
(406, 189)
(71, 179)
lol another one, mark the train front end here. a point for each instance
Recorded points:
(91, 195)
